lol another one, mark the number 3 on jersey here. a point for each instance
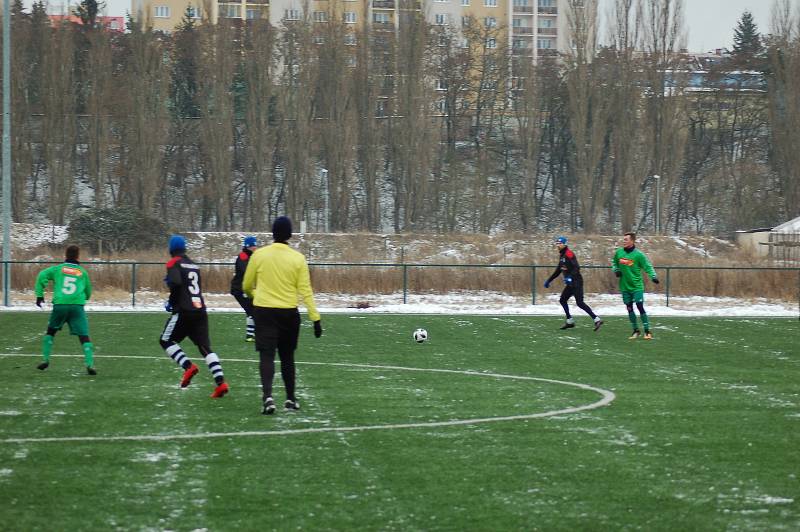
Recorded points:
(194, 284)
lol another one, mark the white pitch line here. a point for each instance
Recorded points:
(607, 397)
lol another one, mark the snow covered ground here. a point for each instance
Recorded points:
(486, 303)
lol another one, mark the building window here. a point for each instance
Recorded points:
(292, 14)
(516, 22)
(464, 42)
(545, 23)
(441, 106)
(161, 12)
(319, 39)
(465, 2)
(320, 16)
(490, 22)
(193, 12)
(349, 17)
(441, 1)
(230, 10)
(491, 43)
(380, 108)
(546, 3)
(521, 3)
(441, 84)
(544, 44)
(351, 61)
(490, 3)
(380, 18)
(519, 43)
(350, 39)
(441, 19)
(253, 13)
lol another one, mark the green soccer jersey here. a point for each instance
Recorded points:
(71, 285)
(630, 264)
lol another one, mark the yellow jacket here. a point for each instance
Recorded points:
(276, 277)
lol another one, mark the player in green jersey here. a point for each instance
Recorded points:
(628, 264)
(71, 289)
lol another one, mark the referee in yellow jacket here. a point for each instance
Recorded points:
(276, 277)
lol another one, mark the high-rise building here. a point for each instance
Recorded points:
(534, 28)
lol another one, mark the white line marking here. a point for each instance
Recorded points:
(607, 397)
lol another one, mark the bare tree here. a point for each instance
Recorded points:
(220, 57)
(298, 86)
(784, 102)
(260, 123)
(59, 126)
(99, 98)
(337, 114)
(665, 103)
(588, 107)
(624, 86)
(143, 121)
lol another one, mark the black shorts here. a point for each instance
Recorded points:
(191, 324)
(574, 289)
(245, 302)
(281, 324)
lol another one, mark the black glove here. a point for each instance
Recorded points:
(618, 273)
(39, 301)
(318, 328)
(655, 280)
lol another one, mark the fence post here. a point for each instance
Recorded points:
(667, 287)
(798, 294)
(533, 285)
(6, 284)
(405, 284)
(133, 285)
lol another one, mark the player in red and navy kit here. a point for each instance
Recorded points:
(250, 244)
(573, 281)
(189, 317)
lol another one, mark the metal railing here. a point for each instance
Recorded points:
(404, 269)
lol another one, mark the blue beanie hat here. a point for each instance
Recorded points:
(561, 240)
(282, 229)
(250, 241)
(177, 243)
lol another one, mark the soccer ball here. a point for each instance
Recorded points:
(420, 335)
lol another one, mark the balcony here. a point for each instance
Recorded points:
(523, 9)
(523, 30)
(548, 10)
(547, 52)
(548, 31)
(383, 4)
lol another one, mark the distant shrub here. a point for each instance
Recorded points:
(116, 230)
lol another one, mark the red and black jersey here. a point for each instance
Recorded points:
(239, 268)
(567, 265)
(185, 285)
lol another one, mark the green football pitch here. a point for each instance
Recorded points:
(495, 423)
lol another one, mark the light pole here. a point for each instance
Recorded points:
(657, 179)
(324, 174)
(6, 151)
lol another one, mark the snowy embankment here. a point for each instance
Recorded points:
(476, 303)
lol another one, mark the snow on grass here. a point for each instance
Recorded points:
(701, 250)
(466, 302)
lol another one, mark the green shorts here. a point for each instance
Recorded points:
(636, 296)
(73, 315)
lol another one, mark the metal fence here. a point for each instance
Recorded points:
(146, 278)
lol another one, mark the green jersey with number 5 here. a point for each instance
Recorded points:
(71, 284)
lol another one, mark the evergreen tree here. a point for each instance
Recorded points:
(185, 67)
(747, 45)
(87, 10)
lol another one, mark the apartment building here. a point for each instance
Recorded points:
(535, 28)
